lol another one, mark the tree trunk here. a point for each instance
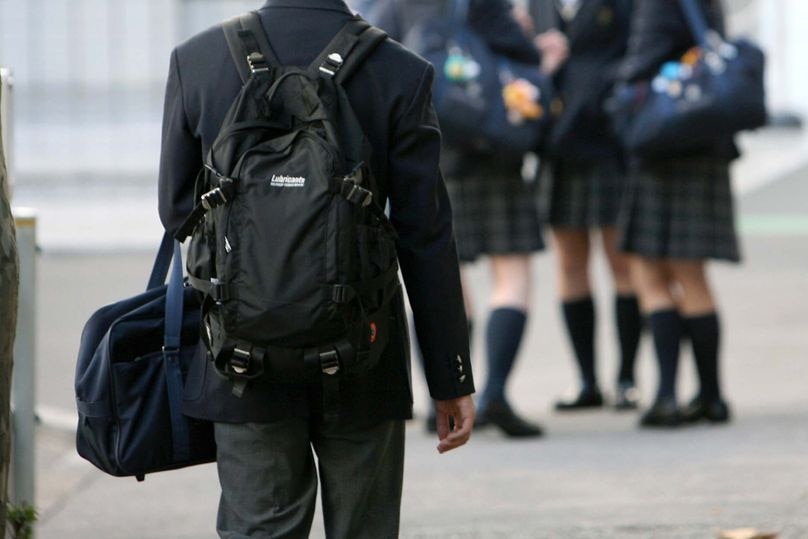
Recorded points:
(9, 283)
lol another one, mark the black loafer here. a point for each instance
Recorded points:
(714, 411)
(586, 398)
(663, 414)
(627, 397)
(500, 415)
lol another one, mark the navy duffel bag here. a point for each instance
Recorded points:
(132, 362)
(715, 92)
(484, 101)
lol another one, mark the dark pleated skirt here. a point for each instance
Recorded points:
(581, 195)
(679, 209)
(494, 212)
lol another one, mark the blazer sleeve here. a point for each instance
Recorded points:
(180, 155)
(493, 21)
(658, 33)
(420, 212)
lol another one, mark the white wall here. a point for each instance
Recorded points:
(784, 35)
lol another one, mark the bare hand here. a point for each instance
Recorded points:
(461, 411)
(554, 49)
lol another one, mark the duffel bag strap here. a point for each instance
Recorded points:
(696, 21)
(162, 262)
(171, 358)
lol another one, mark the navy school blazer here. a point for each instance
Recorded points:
(598, 37)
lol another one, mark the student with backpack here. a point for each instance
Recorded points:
(279, 175)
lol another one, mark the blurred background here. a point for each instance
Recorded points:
(89, 77)
(83, 140)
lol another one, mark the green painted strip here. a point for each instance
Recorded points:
(774, 225)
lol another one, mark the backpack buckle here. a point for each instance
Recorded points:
(342, 293)
(356, 194)
(219, 195)
(329, 362)
(213, 199)
(332, 63)
(240, 360)
(257, 62)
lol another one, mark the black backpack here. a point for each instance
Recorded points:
(293, 255)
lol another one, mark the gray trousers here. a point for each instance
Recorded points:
(269, 479)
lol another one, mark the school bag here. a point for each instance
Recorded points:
(132, 363)
(290, 250)
(715, 91)
(485, 102)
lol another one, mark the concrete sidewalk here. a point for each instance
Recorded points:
(594, 475)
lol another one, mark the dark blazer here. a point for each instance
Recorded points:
(390, 94)
(659, 32)
(598, 36)
(491, 20)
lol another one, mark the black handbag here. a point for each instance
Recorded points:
(133, 358)
(484, 101)
(716, 91)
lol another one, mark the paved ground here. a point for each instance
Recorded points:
(594, 475)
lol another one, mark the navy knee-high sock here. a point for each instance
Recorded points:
(502, 338)
(705, 336)
(579, 316)
(666, 327)
(629, 328)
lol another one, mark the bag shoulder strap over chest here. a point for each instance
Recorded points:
(696, 21)
(252, 52)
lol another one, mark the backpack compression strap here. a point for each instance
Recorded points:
(249, 45)
(346, 52)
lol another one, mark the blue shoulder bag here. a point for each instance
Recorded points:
(484, 101)
(713, 92)
(133, 358)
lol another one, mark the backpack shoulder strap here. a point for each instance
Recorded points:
(249, 45)
(346, 52)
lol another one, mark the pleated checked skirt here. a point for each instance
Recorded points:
(581, 195)
(495, 212)
(679, 209)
